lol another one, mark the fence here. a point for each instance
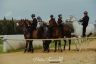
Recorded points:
(14, 43)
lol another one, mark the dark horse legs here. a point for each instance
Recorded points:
(26, 46)
(46, 45)
(59, 45)
(29, 46)
(64, 44)
(69, 44)
(30, 49)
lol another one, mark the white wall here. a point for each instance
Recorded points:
(16, 44)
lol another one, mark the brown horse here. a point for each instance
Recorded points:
(54, 34)
(25, 25)
(67, 30)
(57, 34)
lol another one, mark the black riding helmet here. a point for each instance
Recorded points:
(85, 12)
(60, 15)
(51, 16)
(39, 18)
(33, 15)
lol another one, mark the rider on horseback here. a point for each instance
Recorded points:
(60, 26)
(39, 20)
(34, 22)
(52, 25)
(31, 28)
(52, 21)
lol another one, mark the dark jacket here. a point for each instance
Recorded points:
(52, 25)
(85, 20)
(34, 23)
(59, 21)
(52, 22)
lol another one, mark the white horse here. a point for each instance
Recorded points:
(78, 28)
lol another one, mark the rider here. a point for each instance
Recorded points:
(52, 21)
(33, 27)
(85, 21)
(52, 24)
(60, 26)
(34, 22)
(39, 19)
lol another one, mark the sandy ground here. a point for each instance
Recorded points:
(86, 55)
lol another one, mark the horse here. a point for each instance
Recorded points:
(25, 27)
(76, 29)
(45, 34)
(41, 30)
(67, 30)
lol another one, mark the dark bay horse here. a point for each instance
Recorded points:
(40, 33)
(54, 34)
(44, 31)
(67, 30)
(25, 27)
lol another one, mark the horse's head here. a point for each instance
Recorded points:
(20, 23)
(40, 24)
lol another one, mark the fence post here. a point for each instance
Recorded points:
(4, 45)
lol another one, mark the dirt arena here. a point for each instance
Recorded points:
(86, 55)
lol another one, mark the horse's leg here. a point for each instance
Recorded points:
(44, 45)
(59, 45)
(55, 45)
(69, 44)
(32, 49)
(30, 46)
(48, 43)
(64, 44)
(26, 46)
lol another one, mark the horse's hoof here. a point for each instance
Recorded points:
(77, 49)
(32, 51)
(55, 51)
(48, 50)
(25, 51)
(64, 49)
(44, 50)
(61, 51)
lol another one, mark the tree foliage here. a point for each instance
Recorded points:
(8, 27)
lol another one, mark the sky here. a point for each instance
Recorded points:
(24, 8)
